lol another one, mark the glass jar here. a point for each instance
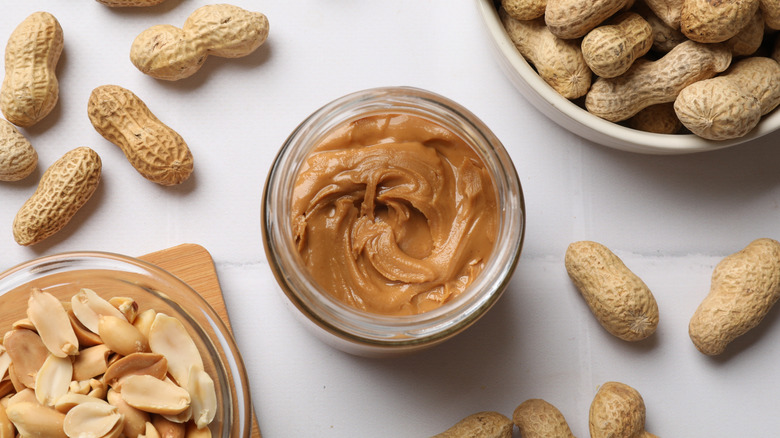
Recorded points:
(369, 334)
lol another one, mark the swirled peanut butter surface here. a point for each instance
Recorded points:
(394, 214)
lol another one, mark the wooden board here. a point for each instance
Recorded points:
(193, 264)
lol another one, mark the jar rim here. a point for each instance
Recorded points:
(362, 327)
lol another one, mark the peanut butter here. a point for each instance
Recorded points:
(394, 214)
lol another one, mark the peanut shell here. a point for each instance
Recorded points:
(618, 410)
(63, 189)
(169, 53)
(744, 287)
(621, 302)
(708, 21)
(156, 151)
(482, 424)
(18, 158)
(537, 418)
(30, 89)
(559, 62)
(651, 82)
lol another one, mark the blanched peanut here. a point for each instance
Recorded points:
(52, 323)
(610, 49)
(63, 189)
(53, 379)
(88, 307)
(708, 21)
(130, 3)
(134, 419)
(121, 336)
(651, 82)
(168, 429)
(665, 38)
(559, 62)
(570, 19)
(154, 150)
(155, 396)
(169, 337)
(760, 77)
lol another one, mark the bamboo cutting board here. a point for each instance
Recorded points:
(193, 264)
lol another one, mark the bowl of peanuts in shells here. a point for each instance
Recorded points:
(645, 76)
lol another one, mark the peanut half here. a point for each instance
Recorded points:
(537, 418)
(30, 89)
(169, 53)
(745, 285)
(63, 189)
(482, 424)
(619, 299)
(18, 158)
(618, 410)
(156, 151)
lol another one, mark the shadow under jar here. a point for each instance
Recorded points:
(374, 120)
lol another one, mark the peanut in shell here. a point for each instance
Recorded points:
(744, 287)
(63, 189)
(155, 150)
(621, 302)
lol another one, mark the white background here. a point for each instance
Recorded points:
(671, 219)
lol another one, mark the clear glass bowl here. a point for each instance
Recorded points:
(110, 275)
(370, 334)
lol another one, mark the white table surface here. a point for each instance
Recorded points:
(671, 219)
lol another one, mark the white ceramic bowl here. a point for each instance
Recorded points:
(579, 121)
